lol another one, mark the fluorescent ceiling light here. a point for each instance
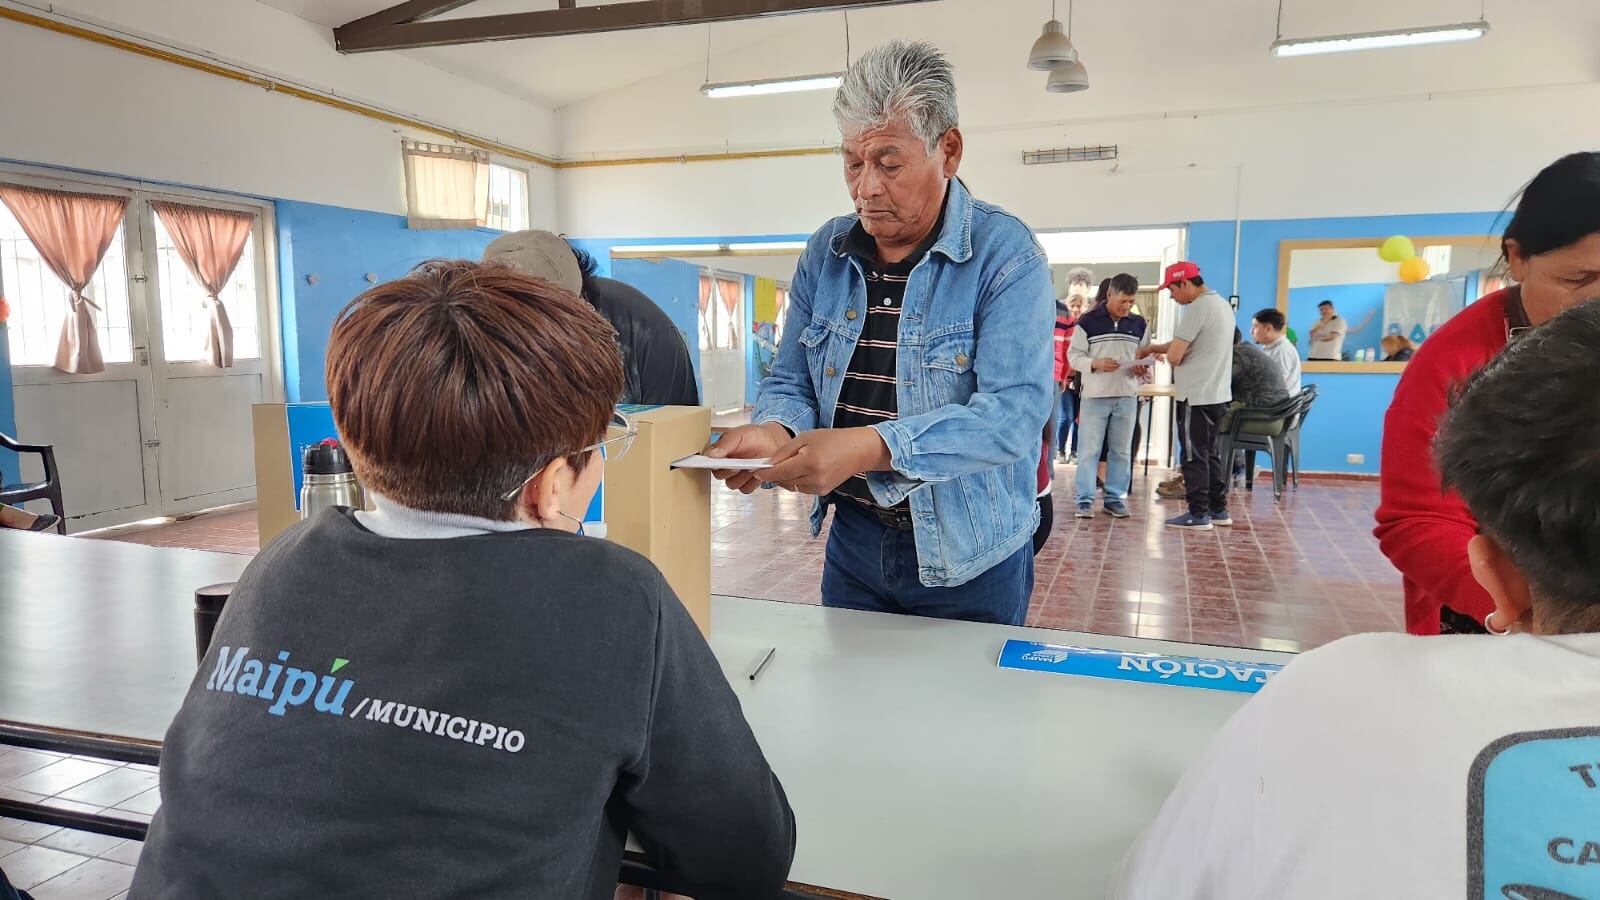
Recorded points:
(771, 246)
(1380, 40)
(773, 86)
(665, 248)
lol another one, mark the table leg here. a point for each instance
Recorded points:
(1149, 429)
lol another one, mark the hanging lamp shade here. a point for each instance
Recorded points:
(1068, 79)
(1053, 49)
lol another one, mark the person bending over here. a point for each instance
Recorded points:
(456, 695)
(1389, 765)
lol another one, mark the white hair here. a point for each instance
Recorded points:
(904, 80)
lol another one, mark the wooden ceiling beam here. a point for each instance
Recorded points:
(403, 27)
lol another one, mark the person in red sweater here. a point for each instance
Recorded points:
(1552, 246)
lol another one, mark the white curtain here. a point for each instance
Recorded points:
(446, 187)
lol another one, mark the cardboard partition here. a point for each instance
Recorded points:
(660, 513)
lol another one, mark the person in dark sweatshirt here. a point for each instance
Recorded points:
(457, 694)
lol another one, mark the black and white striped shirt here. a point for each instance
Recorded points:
(867, 396)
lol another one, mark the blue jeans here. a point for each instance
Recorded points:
(1068, 418)
(1106, 422)
(873, 567)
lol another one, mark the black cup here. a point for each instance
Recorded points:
(208, 603)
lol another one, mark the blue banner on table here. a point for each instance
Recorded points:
(1149, 668)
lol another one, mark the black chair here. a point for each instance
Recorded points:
(1307, 396)
(48, 489)
(1264, 429)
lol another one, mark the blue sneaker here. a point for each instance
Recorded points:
(1190, 522)
(1221, 518)
(1085, 510)
(1117, 509)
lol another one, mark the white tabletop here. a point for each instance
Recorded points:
(919, 770)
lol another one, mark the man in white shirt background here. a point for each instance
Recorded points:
(1390, 765)
(1266, 329)
(1327, 335)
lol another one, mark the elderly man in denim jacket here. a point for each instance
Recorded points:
(914, 378)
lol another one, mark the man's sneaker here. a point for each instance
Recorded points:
(1190, 522)
(1085, 510)
(1173, 490)
(1221, 518)
(1072, 460)
(1117, 509)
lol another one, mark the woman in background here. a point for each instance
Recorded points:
(1552, 246)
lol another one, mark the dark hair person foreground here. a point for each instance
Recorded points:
(475, 700)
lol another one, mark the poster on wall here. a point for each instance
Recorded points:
(1416, 311)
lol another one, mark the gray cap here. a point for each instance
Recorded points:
(538, 253)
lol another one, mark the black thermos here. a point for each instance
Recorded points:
(208, 603)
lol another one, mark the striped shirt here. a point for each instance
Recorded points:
(868, 396)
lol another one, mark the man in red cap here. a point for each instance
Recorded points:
(1201, 354)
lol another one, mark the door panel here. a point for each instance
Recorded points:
(94, 426)
(207, 448)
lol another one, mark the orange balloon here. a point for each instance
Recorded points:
(1414, 270)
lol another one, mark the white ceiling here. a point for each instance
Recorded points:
(1142, 55)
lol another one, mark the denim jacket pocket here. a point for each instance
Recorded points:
(948, 361)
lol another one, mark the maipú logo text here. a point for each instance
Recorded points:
(237, 673)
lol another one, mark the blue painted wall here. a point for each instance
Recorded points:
(1348, 417)
(675, 287)
(10, 470)
(340, 247)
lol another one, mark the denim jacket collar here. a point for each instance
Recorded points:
(955, 238)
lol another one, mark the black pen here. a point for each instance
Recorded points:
(763, 664)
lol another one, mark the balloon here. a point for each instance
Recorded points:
(1414, 270)
(1397, 249)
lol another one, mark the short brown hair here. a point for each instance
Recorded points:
(454, 384)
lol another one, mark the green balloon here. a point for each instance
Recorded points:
(1397, 249)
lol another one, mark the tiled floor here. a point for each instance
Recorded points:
(231, 529)
(1289, 575)
(60, 864)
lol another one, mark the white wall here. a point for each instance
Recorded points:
(1451, 155)
(71, 103)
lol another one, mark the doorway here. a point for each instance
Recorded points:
(160, 432)
(722, 340)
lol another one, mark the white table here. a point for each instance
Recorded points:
(919, 770)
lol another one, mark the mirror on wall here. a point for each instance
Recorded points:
(1350, 310)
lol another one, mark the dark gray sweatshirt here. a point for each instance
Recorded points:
(483, 716)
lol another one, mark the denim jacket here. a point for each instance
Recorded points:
(974, 364)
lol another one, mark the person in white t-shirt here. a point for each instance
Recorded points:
(1266, 329)
(1389, 765)
(1327, 335)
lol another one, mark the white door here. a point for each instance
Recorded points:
(722, 340)
(104, 448)
(161, 432)
(205, 454)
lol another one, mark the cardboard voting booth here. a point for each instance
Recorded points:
(643, 503)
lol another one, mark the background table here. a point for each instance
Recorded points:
(1147, 394)
(916, 767)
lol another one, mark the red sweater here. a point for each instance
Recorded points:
(1422, 528)
(1064, 325)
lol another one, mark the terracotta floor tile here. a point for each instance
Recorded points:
(1288, 575)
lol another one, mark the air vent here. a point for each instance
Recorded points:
(1068, 155)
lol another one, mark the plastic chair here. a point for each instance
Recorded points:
(1307, 396)
(1264, 429)
(48, 489)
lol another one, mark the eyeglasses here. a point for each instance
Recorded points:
(612, 448)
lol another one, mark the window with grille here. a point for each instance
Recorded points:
(508, 198)
(39, 299)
